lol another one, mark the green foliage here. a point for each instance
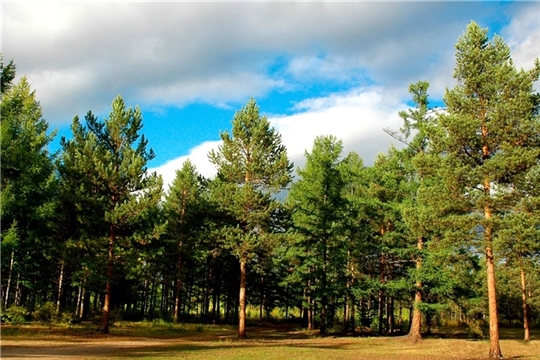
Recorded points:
(318, 207)
(28, 186)
(252, 166)
(253, 153)
(105, 164)
(7, 74)
(15, 315)
(478, 150)
(45, 313)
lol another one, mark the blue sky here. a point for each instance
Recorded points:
(313, 68)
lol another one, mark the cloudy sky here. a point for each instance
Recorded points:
(314, 68)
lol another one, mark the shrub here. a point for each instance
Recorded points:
(476, 329)
(44, 313)
(15, 315)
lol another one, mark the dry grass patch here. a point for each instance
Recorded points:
(168, 341)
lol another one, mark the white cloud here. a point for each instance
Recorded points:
(197, 155)
(209, 90)
(357, 117)
(218, 53)
(522, 35)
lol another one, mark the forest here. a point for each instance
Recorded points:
(445, 230)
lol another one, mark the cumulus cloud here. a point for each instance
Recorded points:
(78, 56)
(358, 117)
(523, 37)
(197, 155)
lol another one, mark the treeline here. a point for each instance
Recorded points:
(446, 230)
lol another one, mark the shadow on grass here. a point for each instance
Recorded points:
(163, 341)
(505, 333)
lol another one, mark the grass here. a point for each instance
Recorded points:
(156, 340)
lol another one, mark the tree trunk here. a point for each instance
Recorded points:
(262, 301)
(60, 283)
(324, 314)
(494, 347)
(346, 312)
(83, 296)
(228, 307)
(348, 297)
(108, 289)
(18, 289)
(242, 300)
(9, 279)
(310, 317)
(287, 302)
(352, 315)
(390, 314)
(381, 312)
(324, 298)
(415, 333)
(79, 296)
(527, 335)
(178, 287)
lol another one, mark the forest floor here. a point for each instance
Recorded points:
(268, 341)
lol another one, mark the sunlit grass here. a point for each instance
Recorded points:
(161, 340)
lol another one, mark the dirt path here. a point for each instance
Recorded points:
(82, 349)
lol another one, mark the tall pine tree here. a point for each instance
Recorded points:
(253, 164)
(27, 188)
(319, 208)
(484, 140)
(109, 158)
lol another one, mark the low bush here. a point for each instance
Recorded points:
(45, 313)
(15, 315)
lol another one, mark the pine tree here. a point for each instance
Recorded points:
(319, 208)
(252, 163)
(416, 214)
(184, 209)
(519, 235)
(357, 232)
(27, 186)
(109, 159)
(7, 74)
(486, 137)
(386, 193)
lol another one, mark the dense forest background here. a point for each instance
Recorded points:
(415, 240)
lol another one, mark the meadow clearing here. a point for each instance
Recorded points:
(147, 340)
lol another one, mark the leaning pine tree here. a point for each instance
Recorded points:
(109, 159)
(486, 138)
(252, 163)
